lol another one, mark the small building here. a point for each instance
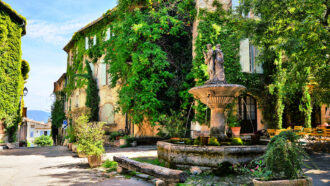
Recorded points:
(35, 129)
(80, 49)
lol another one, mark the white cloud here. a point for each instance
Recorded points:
(53, 33)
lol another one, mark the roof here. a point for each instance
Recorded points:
(14, 15)
(69, 45)
(36, 122)
(63, 76)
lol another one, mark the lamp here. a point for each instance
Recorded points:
(25, 91)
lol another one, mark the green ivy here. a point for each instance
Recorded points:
(57, 113)
(150, 57)
(11, 79)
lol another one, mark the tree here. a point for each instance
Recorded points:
(299, 29)
(57, 114)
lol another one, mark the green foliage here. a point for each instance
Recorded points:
(236, 141)
(214, 141)
(232, 119)
(284, 157)
(57, 113)
(71, 134)
(25, 69)
(43, 141)
(110, 165)
(172, 125)
(90, 136)
(92, 98)
(299, 29)
(11, 79)
(114, 135)
(150, 57)
(153, 161)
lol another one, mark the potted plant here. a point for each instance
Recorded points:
(235, 125)
(90, 140)
(71, 136)
(283, 162)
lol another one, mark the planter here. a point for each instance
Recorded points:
(70, 146)
(74, 147)
(94, 161)
(122, 142)
(297, 182)
(204, 140)
(236, 131)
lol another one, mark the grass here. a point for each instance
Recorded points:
(110, 165)
(130, 174)
(153, 161)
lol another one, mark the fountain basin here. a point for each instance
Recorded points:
(217, 95)
(206, 156)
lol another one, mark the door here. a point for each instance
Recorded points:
(247, 107)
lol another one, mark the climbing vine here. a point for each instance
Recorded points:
(150, 57)
(11, 79)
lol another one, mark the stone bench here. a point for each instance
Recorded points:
(169, 176)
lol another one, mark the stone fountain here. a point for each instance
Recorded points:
(216, 93)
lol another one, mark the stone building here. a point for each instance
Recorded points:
(115, 121)
(12, 28)
(248, 107)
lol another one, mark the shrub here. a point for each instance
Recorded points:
(90, 136)
(114, 135)
(111, 165)
(214, 141)
(43, 141)
(71, 134)
(284, 157)
(236, 141)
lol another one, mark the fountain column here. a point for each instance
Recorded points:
(218, 122)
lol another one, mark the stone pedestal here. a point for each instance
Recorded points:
(217, 97)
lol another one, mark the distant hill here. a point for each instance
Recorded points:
(38, 115)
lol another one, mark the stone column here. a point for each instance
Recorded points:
(218, 122)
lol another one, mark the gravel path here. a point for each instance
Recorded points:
(58, 166)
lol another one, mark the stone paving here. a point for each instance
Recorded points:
(58, 166)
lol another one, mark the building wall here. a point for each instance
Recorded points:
(37, 129)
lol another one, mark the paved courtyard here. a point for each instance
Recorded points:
(58, 166)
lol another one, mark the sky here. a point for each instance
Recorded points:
(50, 26)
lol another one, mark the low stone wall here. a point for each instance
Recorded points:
(206, 156)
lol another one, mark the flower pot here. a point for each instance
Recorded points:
(236, 131)
(122, 142)
(74, 147)
(204, 140)
(94, 161)
(70, 146)
(297, 182)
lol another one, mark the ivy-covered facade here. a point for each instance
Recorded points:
(13, 71)
(87, 85)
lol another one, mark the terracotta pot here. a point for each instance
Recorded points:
(122, 142)
(204, 140)
(70, 146)
(94, 161)
(81, 155)
(74, 147)
(297, 182)
(236, 131)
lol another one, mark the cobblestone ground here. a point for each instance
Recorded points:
(58, 166)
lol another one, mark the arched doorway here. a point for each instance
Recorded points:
(247, 109)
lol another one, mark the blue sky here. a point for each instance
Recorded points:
(50, 25)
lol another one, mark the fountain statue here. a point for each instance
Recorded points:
(216, 93)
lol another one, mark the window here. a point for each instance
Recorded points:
(45, 133)
(108, 34)
(94, 40)
(77, 100)
(247, 110)
(107, 113)
(32, 126)
(248, 55)
(92, 67)
(108, 75)
(103, 71)
(31, 134)
(86, 43)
